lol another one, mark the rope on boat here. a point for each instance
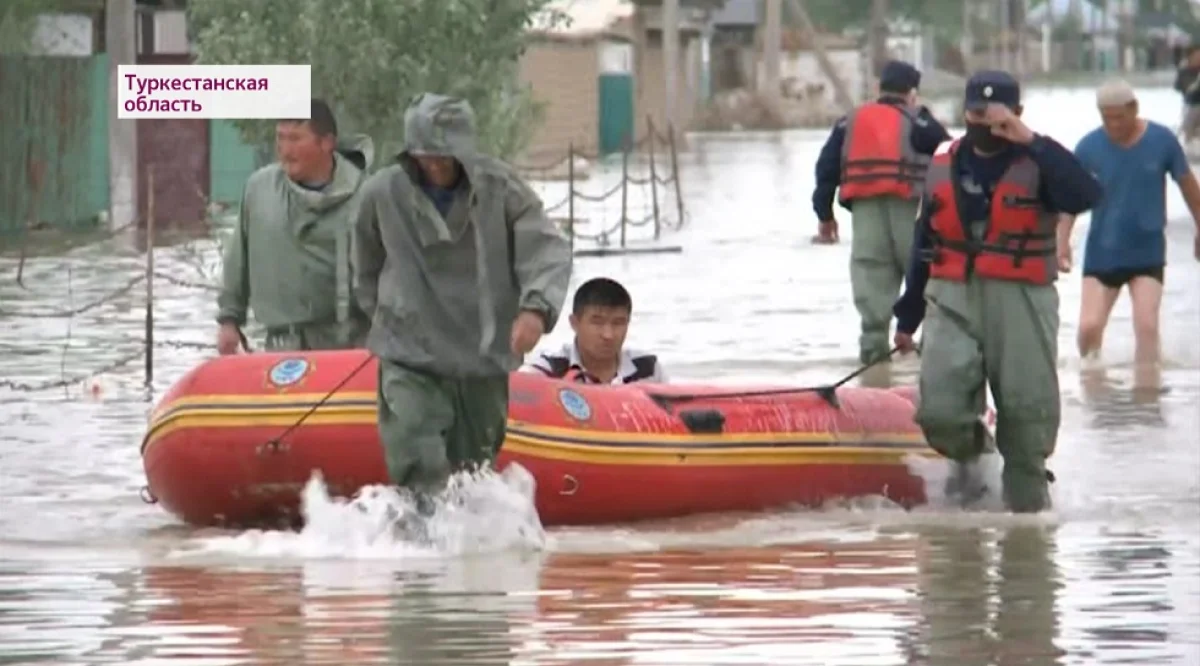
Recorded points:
(828, 392)
(275, 444)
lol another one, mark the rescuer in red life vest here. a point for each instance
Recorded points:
(985, 243)
(877, 155)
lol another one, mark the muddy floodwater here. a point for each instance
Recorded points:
(90, 574)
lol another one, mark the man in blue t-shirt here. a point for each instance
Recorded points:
(1126, 243)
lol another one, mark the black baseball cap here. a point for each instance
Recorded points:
(992, 87)
(899, 76)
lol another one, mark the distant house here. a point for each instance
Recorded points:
(734, 54)
(582, 74)
(54, 127)
(804, 78)
(1111, 39)
(645, 27)
(1165, 41)
(1097, 28)
(602, 77)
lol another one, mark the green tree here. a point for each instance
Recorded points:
(369, 58)
(16, 24)
(18, 18)
(945, 16)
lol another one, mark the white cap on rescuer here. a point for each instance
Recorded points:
(1116, 92)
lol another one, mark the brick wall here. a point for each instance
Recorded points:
(650, 74)
(565, 76)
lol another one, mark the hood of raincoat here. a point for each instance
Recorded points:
(359, 149)
(440, 125)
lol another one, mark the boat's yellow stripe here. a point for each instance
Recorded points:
(570, 444)
(252, 408)
(282, 398)
(741, 456)
(531, 445)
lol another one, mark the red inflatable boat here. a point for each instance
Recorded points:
(223, 446)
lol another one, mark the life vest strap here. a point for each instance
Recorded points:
(1020, 202)
(874, 162)
(896, 169)
(560, 368)
(1016, 246)
(864, 177)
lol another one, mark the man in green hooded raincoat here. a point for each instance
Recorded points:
(461, 272)
(288, 258)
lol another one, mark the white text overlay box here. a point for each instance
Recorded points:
(214, 91)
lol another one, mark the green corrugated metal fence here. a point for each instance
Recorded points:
(231, 162)
(53, 141)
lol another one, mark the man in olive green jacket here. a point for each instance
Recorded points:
(462, 273)
(288, 258)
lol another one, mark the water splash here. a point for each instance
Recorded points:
(480, 512)
(935, 475)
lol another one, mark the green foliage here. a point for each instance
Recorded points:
(1181, 10)
(369, 58)
(945, 16)
(18, 19)
(16, 24)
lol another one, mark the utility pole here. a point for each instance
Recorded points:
(1005, 35)
(1021, 65)
(1075, 51)
(840, 93)
(772, 36)
(670, 35)
(706, 37)
(119, 27)
(1047, 36)
(1128, 56)
(1102, 64)
(878, 36)
(989, 10)
(966, 44)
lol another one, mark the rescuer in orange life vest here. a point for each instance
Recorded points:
(877, 155)
(985, 243)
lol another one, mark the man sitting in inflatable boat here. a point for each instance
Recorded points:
(597, 355)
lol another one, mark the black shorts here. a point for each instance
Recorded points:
(1118, 279)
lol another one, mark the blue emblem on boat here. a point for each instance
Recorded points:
(575, 404)
(288, 371)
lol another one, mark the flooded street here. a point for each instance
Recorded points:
(90, 574)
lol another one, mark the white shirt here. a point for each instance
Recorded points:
(545, 363)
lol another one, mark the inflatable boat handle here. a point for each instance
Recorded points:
(147, 495)
(703, 421)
